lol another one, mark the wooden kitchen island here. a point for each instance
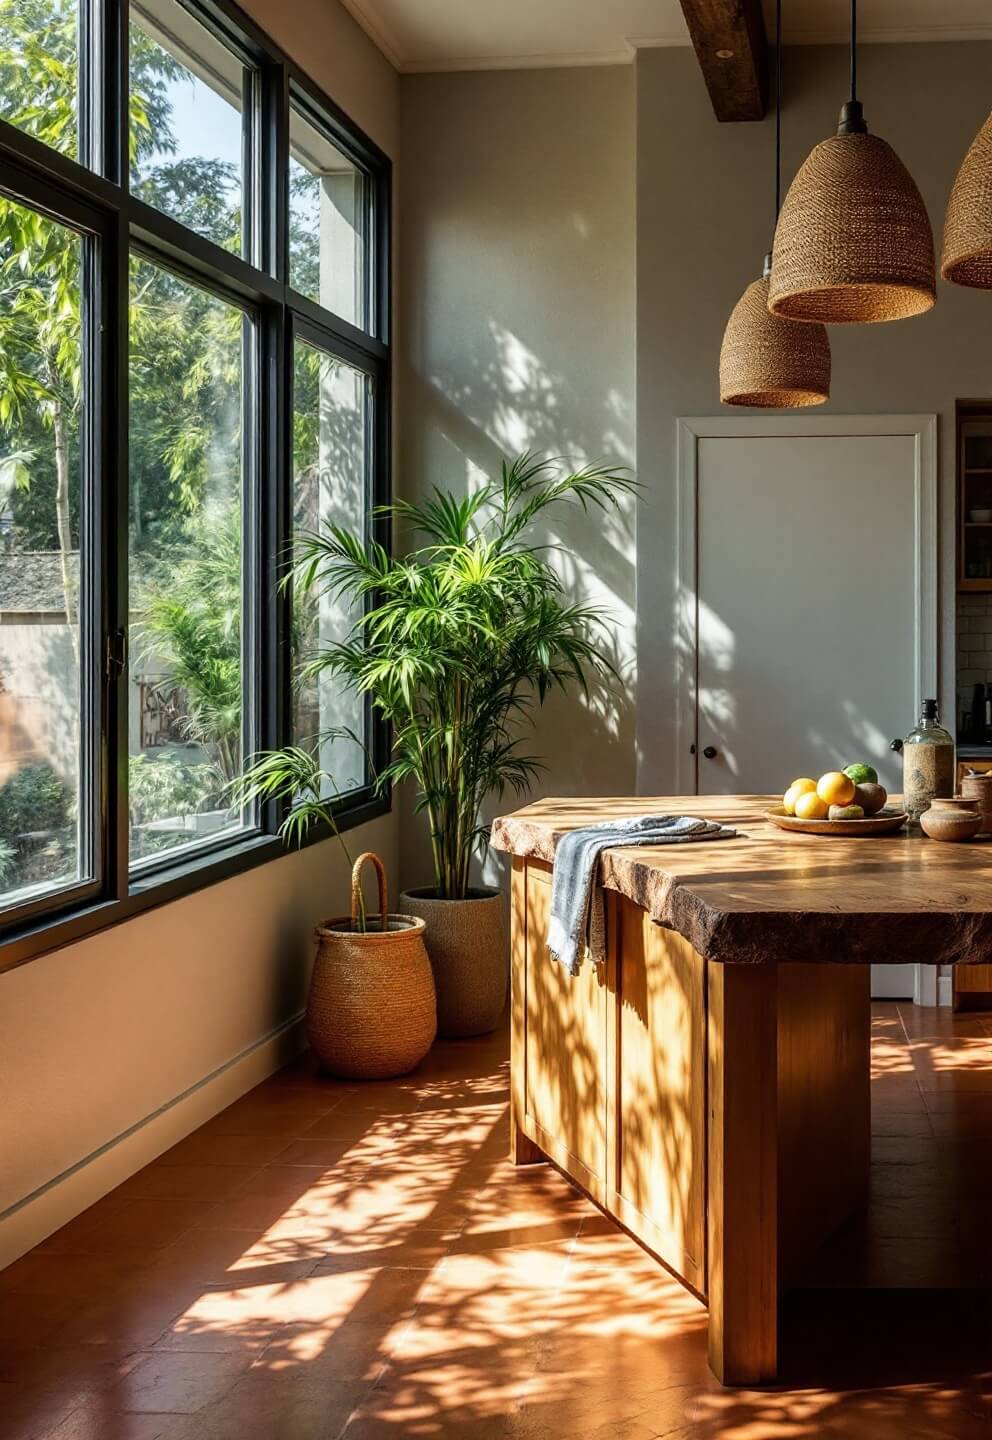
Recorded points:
(709, 1085)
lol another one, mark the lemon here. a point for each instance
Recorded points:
(789, 799)
(809, 806)
(835, 788)
(802, 785)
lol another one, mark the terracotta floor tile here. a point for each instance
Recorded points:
(187, 1182)
(327, 1256)
(137, 1310)
(93, 1420)
(139, 1226)
(270, 1116)
(176, 1383)
(915, 1125)
(267, 1406)
(41, 1272)
(310, 1152)
(355, 1350)
(238, 1150)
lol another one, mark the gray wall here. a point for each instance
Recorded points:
(526, 316)
(704, 203)
(517, 331)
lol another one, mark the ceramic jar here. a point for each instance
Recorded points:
(953, 818)
(978, 789)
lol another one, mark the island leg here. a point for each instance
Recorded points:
(742, 1180)
(523, 1150)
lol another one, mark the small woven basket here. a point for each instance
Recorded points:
(853, 244)
(967, 258)
(372, 1012)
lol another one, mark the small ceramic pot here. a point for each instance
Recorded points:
(954, 818)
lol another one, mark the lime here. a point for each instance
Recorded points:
(862, 774)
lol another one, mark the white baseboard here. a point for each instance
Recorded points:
(36, 1216)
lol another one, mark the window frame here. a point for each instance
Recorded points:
(98, 202)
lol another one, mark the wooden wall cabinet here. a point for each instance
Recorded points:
(974, 459)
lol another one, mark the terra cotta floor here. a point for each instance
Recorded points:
(325, 1260)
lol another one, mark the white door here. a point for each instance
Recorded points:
(813, 599)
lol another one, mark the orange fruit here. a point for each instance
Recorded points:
(835, 788)
(810, 807)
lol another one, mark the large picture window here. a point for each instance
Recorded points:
(331, 404)
(187, 699)
(46, 731)
(194, 368)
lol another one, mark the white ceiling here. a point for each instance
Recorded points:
(505, 34)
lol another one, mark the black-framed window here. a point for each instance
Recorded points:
(194, 366)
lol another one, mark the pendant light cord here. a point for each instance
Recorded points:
(778, 108)
(852, 118)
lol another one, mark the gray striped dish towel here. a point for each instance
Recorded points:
(577, 913)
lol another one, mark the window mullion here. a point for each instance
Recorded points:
(110, 17)
(116, 498)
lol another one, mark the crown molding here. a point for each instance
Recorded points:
(367, 16)
(551, 60)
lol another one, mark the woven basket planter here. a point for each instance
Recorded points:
(371, 1013)
(967, 257)
(853, 244)
(769, 363)
(467, 944)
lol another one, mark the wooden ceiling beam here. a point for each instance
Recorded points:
(728, 37)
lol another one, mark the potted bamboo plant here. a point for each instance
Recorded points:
(456, 643)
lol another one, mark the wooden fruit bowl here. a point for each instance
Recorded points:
(884, 823)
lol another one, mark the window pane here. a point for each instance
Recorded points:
(186, 571)
(39, 70)
(330, 455)
(186, 121)
(42, 645)
(327, 203)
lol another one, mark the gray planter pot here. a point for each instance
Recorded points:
(467, 944)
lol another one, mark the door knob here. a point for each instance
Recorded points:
(711, 752)
(895, 745)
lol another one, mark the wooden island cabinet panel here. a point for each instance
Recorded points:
(658, 1176)
(565, 1041)
(719, 1112)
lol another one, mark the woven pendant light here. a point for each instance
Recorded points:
(967, 258)
(853, 243)
(765, 362)
(772, 364)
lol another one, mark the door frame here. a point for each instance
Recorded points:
(922, 429)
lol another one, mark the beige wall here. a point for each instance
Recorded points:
(704, 223)
(517, 331)
(113, 1048)
(334, 50)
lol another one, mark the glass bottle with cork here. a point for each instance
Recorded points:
(927, 763)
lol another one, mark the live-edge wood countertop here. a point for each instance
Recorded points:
(779, 896)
